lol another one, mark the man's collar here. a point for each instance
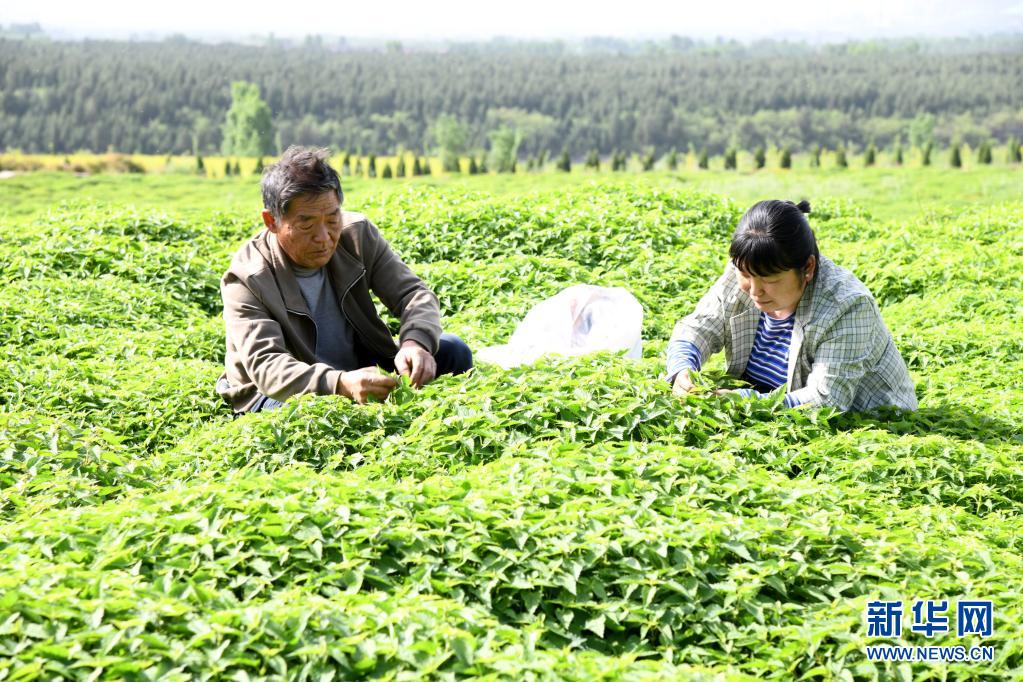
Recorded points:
(285, 277)
(342, 268)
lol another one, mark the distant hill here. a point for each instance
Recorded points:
(603, 94)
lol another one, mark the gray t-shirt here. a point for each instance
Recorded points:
(335, 339)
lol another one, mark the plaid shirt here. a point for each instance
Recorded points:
(841, 353)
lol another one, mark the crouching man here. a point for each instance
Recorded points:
(297, 303)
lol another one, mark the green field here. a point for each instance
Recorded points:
(887, 193)
(568, 520)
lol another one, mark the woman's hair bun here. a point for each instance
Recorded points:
(803, 206)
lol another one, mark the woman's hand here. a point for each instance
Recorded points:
(683, 383)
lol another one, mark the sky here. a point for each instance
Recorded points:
(806, 20)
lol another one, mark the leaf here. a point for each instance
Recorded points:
(776, 582)
(737, 548)
(464, 648)
(596, 625)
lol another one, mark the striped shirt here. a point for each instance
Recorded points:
(768, 365)
(767, 368)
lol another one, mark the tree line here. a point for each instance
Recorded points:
(172, 97)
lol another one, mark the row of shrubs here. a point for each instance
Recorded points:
(353, 165)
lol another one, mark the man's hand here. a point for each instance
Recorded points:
(416, 363)
(362, 384)
(683, 383)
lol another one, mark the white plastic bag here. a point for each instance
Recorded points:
(580, 319)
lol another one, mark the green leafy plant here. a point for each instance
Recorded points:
(571, 519)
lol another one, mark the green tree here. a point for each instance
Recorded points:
(535, 163)
(200, 167)
(955, 158)
(647, 159)
(671, 159)
(564, 162)
(840, 159)
(386, 174)
(786, 158)
(984, 153)
(760, 157)
(237, 167)
(371, 166)
(399, 169)
(593, 160)
(921, 130)
(473, 168)
(1014, 155)
(504, 149)
(815, 156)
(259, 166)
(704, 161)
(731, 158)
(870, 156)
(425, 166)
(417, 169)
(227, 167)
(925, 154)
(201, 129)
(897, 155)
(451, 136)
(248, 126)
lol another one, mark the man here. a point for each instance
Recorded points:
(297, 303)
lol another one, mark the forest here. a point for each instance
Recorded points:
(171, 97)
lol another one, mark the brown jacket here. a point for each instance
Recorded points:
(271, 337)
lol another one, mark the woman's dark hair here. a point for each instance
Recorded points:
(773, 236)
(301, 170)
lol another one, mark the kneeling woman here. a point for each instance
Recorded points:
(786, 316)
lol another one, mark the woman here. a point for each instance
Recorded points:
(786, 316)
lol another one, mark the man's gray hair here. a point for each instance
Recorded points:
(301, 170)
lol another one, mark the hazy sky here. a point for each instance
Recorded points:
(435, 19)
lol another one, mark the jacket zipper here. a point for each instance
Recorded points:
(342, 303)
